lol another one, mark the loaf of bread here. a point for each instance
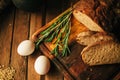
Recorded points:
(90, 37)
(99, 53)
(99, 15)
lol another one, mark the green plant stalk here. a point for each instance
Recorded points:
(66, 49)
(58, 42)
(56, 49)
(61, 30)
(58, 22)
(51, 28)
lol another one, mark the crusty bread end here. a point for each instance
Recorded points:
(106, 52)
(87, 21)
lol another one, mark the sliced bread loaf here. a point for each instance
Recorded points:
(97, 15)
(90, 37)
(105, 52)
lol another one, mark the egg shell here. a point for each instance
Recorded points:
(26, 48)
(42, 65)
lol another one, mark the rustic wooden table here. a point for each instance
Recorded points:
(17, 25)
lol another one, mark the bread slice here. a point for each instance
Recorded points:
(90, 37)
(87, 21)
(106, 52)
(97, 15)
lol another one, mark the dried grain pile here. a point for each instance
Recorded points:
(6, 73)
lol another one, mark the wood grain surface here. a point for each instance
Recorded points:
(20, 33)
(6, 35)
(72, 66)
(17, 25)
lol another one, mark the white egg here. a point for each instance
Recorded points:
(26, 48)
(42, 65)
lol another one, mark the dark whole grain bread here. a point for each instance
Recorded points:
(99, 15)
(99, 53)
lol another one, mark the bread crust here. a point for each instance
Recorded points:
(99, 53)
(100, 16)
(101, 12)
(90, 37)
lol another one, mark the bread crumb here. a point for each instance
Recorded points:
(6, 73)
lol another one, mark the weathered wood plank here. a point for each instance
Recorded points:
(54, 74)
(6, 28)
(21, 31)
(35, 23)
(66, 5)
(53, 9)
(117, 77)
